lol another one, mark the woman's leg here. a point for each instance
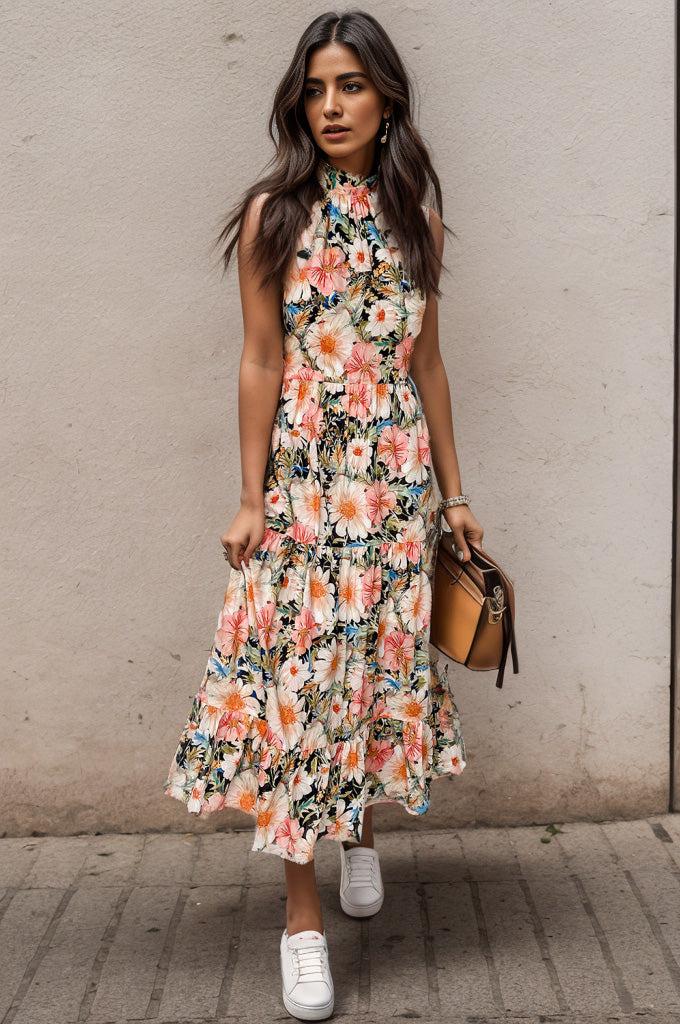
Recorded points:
(366, 831)
(303, 905)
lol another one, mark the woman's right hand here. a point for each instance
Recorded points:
(244, 534)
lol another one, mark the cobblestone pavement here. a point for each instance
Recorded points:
(478, 924)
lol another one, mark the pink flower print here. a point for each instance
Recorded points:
(271, 540)
(393, 447)
(232, 631)
(399, 648)
(328, 270)
(380, 501)
(378, 753)
(364, 362)
(362, 695)
(412, 537)
(413, 742)
(290, 836)
(268, 625)
(359, 200)
(302, 533)
(305, 630)
(371, 585)
(356, 401)
(310, 425)
(379, 709)
(402, 354)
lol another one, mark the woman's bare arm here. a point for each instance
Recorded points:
(429, 373)
(260, 374)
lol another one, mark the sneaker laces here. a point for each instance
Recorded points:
(360, 867)
(309, 962)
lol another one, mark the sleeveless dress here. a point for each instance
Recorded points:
(322, 694)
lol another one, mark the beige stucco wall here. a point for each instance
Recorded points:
(129, 130)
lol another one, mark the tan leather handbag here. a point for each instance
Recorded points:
(473, 608)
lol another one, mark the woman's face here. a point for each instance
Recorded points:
(338, 91)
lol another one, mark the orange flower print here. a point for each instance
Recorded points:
(322, 694)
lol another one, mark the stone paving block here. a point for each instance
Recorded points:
(397, 856)
(200, 954)
(658, 892)
(127, 978)
(16, 859)
(111, 860)
(255, 984)
(535, 858)
(636, 845)
(59, 861)
(439, 857)
(634, 948)
(670, 824)
(524, 981)
(347, 939)
(461, 963)
(222, 858)
(488, 853)
(23, 925)
(400, 982)
(60, 981)
(573, 947)
(167, 860)
(586, 848)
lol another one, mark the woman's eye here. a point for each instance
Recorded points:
(311, 91)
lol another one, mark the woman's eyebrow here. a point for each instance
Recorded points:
(339, 78)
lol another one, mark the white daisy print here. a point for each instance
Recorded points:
(348, 508)
(359, 454)
(330, 340)
(383, 317)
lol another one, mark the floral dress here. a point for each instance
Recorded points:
(322, 693)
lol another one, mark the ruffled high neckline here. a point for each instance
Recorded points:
(336, 177)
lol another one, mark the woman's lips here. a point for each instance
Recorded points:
(336, 132)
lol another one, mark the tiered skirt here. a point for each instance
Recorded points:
(321, 696)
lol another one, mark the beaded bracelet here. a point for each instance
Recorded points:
(460, 499)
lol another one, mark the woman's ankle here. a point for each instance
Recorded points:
(300, 922)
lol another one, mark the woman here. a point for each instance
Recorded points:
(322, 695)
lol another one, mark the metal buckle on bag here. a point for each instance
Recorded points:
(496, 606)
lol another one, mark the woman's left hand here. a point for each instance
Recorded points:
(465, 528)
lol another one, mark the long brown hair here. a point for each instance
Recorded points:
(292, 186)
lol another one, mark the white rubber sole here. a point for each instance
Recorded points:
(367, 911)
(308, 1012)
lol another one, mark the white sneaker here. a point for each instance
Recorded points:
(361, 887)
(306, 976)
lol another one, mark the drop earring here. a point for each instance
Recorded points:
(384, 137)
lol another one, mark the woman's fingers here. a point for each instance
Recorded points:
(461, 545)
(234, 549)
